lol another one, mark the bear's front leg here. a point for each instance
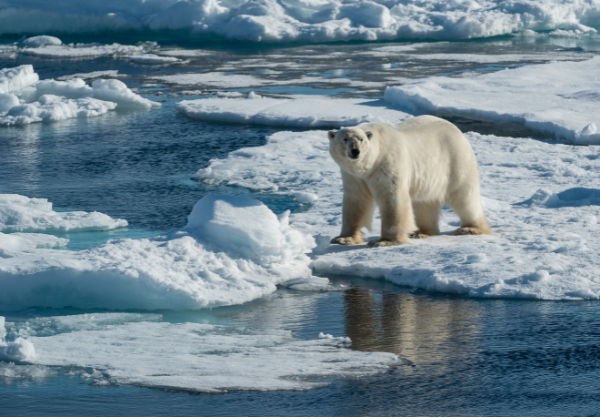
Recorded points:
(396, 219)
(357, 210)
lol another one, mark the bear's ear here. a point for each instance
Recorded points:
(369, 135)
(331, 134)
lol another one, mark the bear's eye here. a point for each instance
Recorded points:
(346, 139)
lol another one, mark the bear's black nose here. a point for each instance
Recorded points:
(355, 153)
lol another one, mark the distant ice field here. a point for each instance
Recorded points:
(304, 21)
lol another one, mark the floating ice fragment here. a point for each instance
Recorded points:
(22, 214)
(20, 350)
(16, 78)
(253, 95)
(42, 40)
(153, 59)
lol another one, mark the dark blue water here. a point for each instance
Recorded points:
(467, 357)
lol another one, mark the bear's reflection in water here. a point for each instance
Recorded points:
(419, 328)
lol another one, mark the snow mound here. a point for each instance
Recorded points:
(42, 40)
(233, 250)
(22, 214)
(17, 78)
(300, 111)
(542, 247)
(540, 97)
(208, 358)
(304, 21)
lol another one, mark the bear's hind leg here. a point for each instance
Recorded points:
(469, 210)
(427, 215)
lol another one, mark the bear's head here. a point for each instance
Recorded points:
(349, 147)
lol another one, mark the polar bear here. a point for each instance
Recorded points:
(410, 170)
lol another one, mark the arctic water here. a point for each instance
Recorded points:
(460, 356)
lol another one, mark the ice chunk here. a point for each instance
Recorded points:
(42, 40)
(2, 328)
(110, 90)
(116, 91)
(537, 96)
(7, 101)
(153, 59)
(20, 350)
(209, 358)
(233, 250)
(14, 243)
(22, 214)
(16, 78)
(300, 111)
(55, 108)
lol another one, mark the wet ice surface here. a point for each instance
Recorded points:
(462, 356)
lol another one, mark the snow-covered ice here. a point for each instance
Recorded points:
(559, 98)
(305, 21)
(23, 214)
(217, 259)
(188, 356)
(541, 200)
(297, 111)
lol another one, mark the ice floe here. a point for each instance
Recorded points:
(54, 108)
(187, 356)
(233, 250)
(558, 98)
(153, 59)
(306, 21)
(55, 100)
(297, 111)
(82, 51)
(23, 214)
(540, 198)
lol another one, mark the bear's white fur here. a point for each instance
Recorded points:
(410, 171)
